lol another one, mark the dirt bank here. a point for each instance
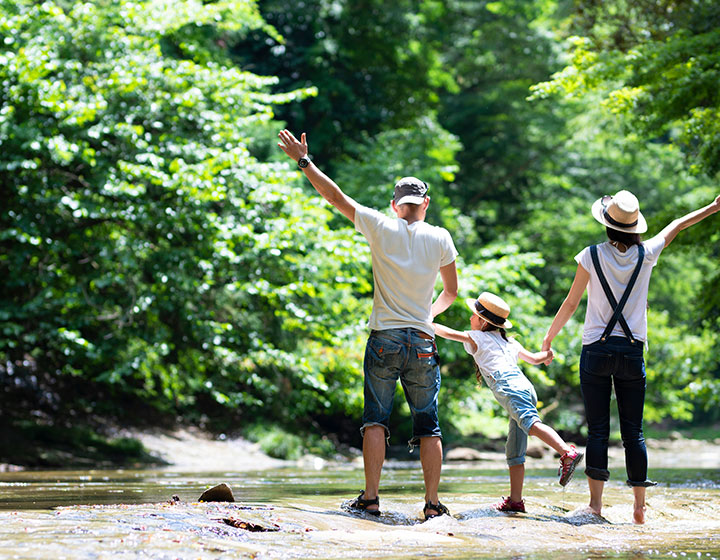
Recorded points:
(190, 449)
(198, 451)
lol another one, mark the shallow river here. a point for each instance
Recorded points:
(131, 514)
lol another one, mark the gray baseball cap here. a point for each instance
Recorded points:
(410, 190)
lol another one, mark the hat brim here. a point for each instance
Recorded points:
(470, 302)
(599, 215)
(410, 199)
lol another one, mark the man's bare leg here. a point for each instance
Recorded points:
(431, 458)
(373, 459)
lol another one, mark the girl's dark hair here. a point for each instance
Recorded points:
(627, 239)
(490, 327)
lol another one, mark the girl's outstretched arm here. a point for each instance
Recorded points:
(536, 358)
(676, 226)
(452, 334)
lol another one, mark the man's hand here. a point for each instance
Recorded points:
(291, 146)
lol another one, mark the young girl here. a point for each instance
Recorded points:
(496, 357)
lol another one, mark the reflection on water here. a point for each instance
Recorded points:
(119, 514)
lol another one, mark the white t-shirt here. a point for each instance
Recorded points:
(406, 259)
(494, 354)
(618, 268)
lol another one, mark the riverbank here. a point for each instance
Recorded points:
(190, 449)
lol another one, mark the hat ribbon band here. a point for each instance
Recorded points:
(485, 312)
(614, 222)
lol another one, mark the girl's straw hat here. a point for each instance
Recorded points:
(620, 212)
(491, 308)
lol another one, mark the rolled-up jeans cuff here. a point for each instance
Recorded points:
(368, 424)
(515, 461)
(416, 440)
(641, 484)
(597, 474)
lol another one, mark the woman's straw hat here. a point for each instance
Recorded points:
(620, 212)
(491, 308)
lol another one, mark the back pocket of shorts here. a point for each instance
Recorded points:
(382, 348)
(427, 355)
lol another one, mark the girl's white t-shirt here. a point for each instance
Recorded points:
(494, 354)
(406, 259)
(618, 268)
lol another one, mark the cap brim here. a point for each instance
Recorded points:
(410, 199)
(470, 302)
(598, 214)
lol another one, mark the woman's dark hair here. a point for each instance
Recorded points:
(627, 239)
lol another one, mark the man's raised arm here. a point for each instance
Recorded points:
(328, 189)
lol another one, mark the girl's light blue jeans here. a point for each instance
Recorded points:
(517, 396)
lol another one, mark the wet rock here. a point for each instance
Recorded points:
(249, 526)
(463, 454)
(219, 493)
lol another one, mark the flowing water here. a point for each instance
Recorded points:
(131, 514)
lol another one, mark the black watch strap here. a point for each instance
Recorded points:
(304, 161)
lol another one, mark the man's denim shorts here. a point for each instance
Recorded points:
(411, 356)
(517, 396)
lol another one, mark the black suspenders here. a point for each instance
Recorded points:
(617, 307)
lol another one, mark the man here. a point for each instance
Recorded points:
(407, 255)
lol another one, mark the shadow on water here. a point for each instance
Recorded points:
(298, 513)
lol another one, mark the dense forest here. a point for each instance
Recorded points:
(163, 262)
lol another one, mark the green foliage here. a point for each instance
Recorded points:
(157, 247)
(656, 64)
(277, 442)
(499, 50)
(375, 63)
(144, 248)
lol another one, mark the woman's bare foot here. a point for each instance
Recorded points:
(639, 515)
(596, 509)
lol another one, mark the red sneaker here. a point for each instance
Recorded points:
(508, 505)
(567, 468)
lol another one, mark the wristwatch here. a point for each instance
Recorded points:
(304, 161)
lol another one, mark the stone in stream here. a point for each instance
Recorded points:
(249, 526)
(463, 454)
(219, 493)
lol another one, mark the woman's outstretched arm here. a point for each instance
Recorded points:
(676, 226)
(568, 307)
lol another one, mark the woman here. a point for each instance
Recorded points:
(616, 274)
